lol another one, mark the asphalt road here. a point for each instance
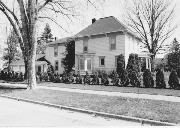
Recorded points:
(17, 113)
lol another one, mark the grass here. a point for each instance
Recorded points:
(147, 109)
(150, 91)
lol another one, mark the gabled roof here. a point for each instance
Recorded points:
(61, 41)
(39, 56)
(102, 26)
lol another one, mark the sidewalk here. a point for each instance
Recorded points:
(130, 95)
(14, 86)
(106, 93)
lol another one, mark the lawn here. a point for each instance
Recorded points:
(147, 109)
(151, 91)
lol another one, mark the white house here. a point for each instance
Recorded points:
(55, 54)
(98, 45)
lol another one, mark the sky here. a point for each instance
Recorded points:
(103, 8)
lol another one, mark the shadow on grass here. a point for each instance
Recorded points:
(5, 90)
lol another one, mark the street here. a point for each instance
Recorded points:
(17, 113)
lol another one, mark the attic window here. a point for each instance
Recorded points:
(85, 49)
(55, 51)
(85, 45)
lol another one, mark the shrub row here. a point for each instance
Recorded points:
(122, 80)
(12, 76)
(121, 77)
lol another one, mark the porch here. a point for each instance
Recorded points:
(84, 62)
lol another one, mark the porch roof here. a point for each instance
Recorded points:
(144, 54)
(82, 53)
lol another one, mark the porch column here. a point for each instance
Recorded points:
(85, 64)
(147, 63)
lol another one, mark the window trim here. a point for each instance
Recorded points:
(101, 57)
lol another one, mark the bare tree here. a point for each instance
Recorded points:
(152, 20)
(25, 25)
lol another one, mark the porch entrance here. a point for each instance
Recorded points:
(86, 64)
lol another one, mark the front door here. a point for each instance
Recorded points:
(86, 64)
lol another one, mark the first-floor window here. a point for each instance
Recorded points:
(81, 64)
(56, 65)
(102, 61)
(55, 51)
(62, 65)
(116, 61)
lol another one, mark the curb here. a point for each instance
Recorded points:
(121, 117)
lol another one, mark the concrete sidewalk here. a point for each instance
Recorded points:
(14, 86)
(130, 95)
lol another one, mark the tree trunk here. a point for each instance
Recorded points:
(152, 63)
(31, 60)
(32, 72)
(26, 69)
(32, 44)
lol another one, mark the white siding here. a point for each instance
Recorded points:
(100, 46)
(51, 58)
(131, 46)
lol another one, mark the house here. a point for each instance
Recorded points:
(41, 64)
(98, 45)
(55, 53)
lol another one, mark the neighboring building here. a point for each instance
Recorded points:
(41, 64)
(98, 45)
(55, 54)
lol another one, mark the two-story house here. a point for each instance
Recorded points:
(55, 54)
(98, 45)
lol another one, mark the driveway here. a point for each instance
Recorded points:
(17, 113)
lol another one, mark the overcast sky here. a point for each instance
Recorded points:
(104, 8)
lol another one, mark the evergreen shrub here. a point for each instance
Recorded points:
(160, 82)
(173, 80)
(148, 79)
(133, 70)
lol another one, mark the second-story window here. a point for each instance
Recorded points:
(85, 45)
(55, 51)
(112, 42)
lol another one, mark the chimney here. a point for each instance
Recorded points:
(93, 20)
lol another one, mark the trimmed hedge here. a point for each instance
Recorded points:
(148, 79)
(120, 63)
(133, 70)
(173, 80)
(160, 83)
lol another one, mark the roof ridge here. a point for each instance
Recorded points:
(106, 17)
